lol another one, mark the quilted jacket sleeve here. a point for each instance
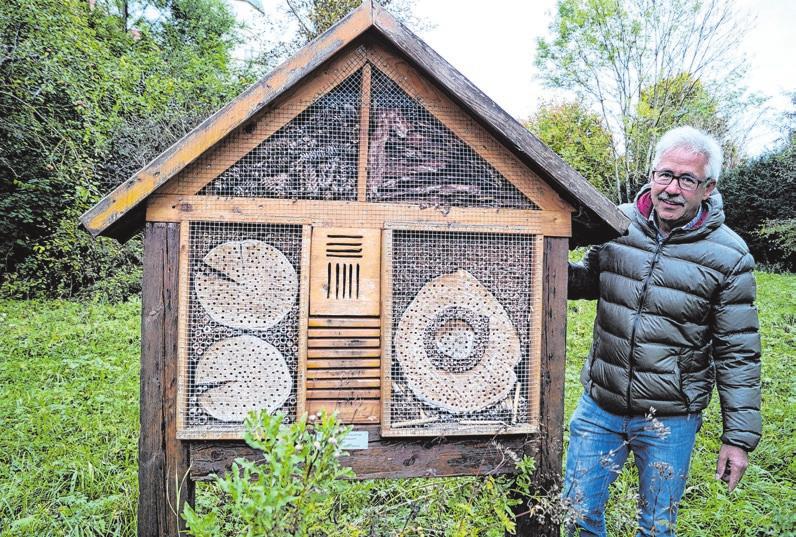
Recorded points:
(584, 277)
(736, 353)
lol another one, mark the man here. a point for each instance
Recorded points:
(675, 312)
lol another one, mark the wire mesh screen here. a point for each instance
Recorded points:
(313, 156)
(414, 158)
(461, 334)
(242, 329)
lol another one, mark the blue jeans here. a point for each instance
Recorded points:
(599, 444)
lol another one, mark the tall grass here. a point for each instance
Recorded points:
(68, 418)
(69, 426)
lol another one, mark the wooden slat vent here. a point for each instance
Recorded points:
(344, 367)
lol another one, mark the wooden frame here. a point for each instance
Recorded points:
(183, 432)
(304, 309)
(410, 429)
(350, 214)
(119, 213)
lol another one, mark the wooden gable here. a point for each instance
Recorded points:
(370, 129)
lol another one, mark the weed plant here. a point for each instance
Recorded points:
(69, 416)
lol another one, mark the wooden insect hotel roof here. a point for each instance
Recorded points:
(122, 212)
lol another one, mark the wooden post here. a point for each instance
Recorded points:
(547, 478)
(162, 459)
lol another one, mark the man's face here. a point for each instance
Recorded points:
(673, 205)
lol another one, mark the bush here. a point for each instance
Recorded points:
(760, 201)
(72, 264)
(280, 495)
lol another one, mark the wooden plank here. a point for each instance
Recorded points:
(343, 394)
(343, 332)
(537, 322)
(182, 327)
(238, 144)
(386, 458)
(465, 228)
(304, 307)
(343, 343)
(386, 340)
(350, 213)
(162, 459)
(344, 353)
(344, 383)
(130, 193)
(343, 363)
(602, 215)
(345, 285)
(344, 322)
(547, 478)
(152, 515)
(467, 130)
(364, 127)
(466, 428)
(370, 372)
(177, 451)
(366, 411)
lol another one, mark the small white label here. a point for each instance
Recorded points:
(355, 440)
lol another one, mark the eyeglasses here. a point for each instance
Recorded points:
(686, 181)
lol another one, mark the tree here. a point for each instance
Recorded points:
(73, 75)
(307, 19)
(613, 53)
(669, 103)
(579, 137)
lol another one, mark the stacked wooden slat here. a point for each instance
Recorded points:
(344, 367)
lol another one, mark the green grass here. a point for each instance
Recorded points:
(69, 415)
(69, 424)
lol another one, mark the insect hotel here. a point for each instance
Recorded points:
(362, 231)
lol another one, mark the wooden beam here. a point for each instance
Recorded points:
(163, 461)
(385, 458)
(364, 129)
(547, 478)
(352, 214)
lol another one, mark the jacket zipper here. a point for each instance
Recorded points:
(641, 302)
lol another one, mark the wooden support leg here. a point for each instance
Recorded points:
(163, 460)
(547, 478)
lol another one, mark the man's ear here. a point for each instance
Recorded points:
(709, 189)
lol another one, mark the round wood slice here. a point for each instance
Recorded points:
(244, 373)
(482, 384)
(254, 288)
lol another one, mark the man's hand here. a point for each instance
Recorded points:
(731, 466)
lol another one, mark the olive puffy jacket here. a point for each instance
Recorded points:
(673, 317)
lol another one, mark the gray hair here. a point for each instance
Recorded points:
(693, 140)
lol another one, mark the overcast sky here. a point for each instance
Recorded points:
(494, 44)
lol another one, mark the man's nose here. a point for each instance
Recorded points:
(673, 187)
